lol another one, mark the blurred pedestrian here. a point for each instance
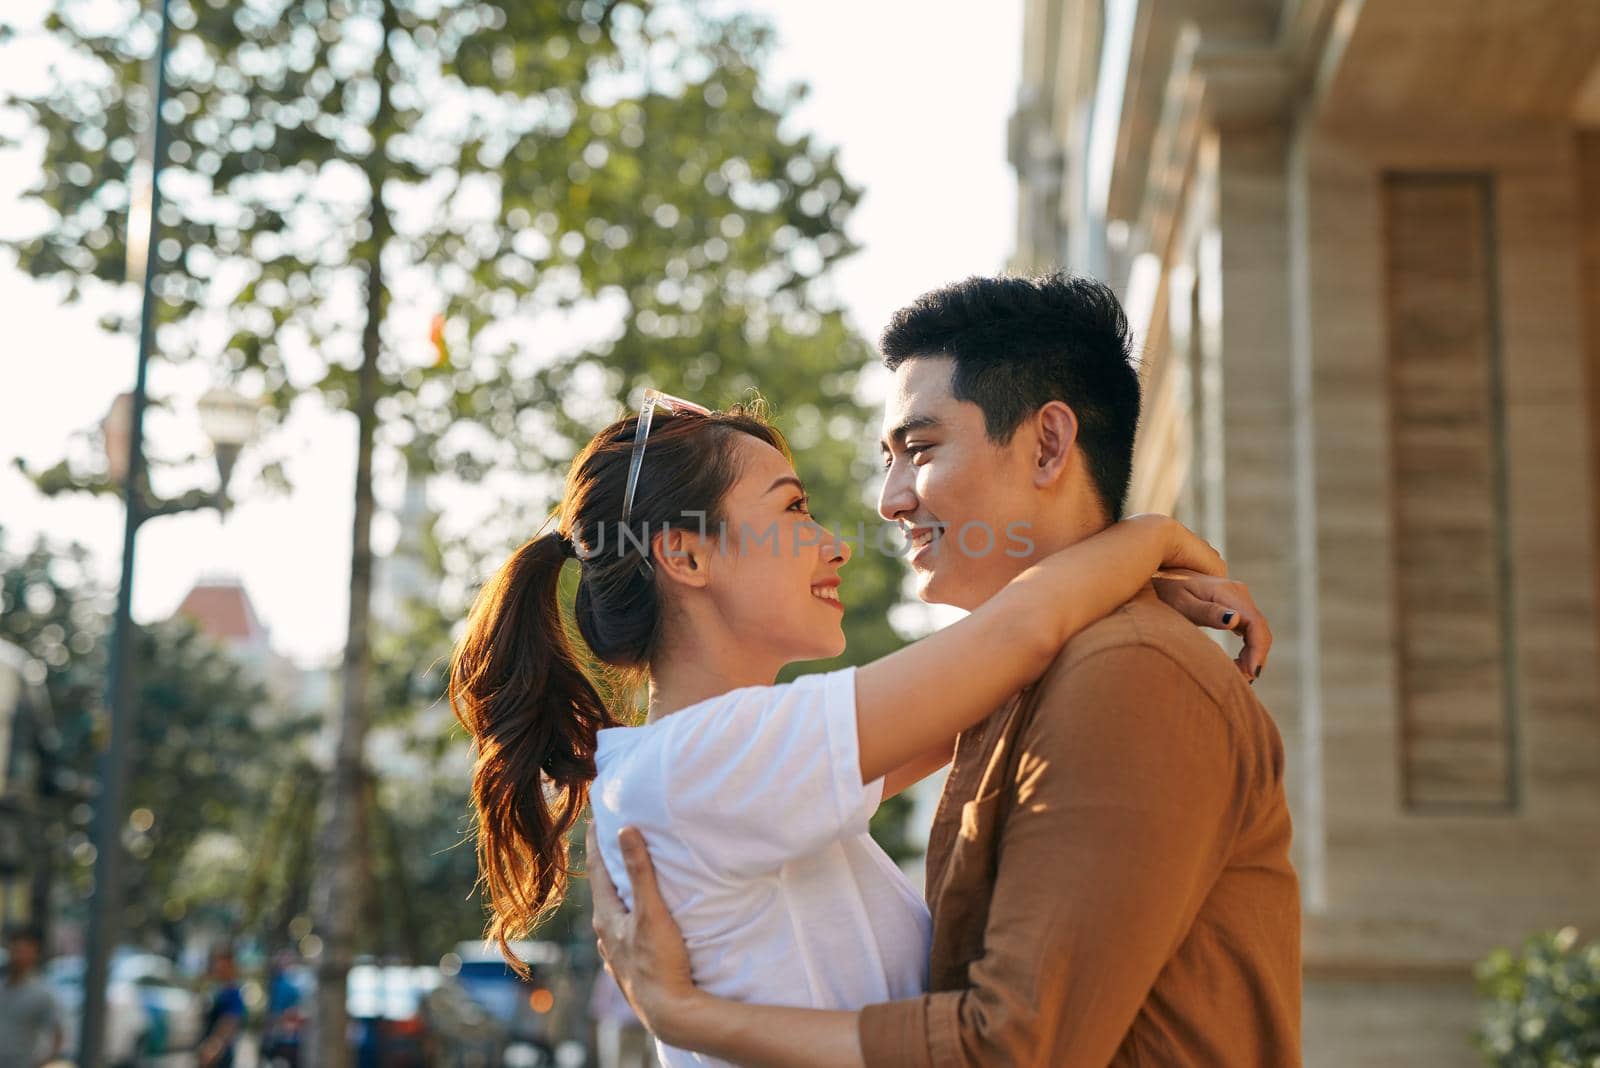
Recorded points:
(30, 1019)
(281, 1033)
(620, 1039)
(225, 1015)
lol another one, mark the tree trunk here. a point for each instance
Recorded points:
(337, 906)
(339, 892)
(373, 929)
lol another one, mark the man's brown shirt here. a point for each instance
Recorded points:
(1109, 870)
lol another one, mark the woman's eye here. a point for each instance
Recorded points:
(802, 505)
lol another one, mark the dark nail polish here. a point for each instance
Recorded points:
(1227, 618)
(1260, 669)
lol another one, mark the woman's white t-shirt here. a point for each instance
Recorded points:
(756, 818)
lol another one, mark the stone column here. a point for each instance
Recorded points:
(1268, 481)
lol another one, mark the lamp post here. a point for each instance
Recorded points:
(105, 904)
(229, 421)
(223, 417)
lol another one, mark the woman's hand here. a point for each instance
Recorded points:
(1222, 604)
(1181, 549)
(1188, 550)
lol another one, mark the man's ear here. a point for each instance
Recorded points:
(680, 556)
(1056, 430)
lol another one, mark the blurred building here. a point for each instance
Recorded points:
(220, 607)
(405, 575)
(1361, 243)
(405, 590)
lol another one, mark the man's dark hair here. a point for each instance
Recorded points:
(30, 932)
(1018, 343)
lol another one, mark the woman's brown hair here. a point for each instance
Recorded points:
(518, 683)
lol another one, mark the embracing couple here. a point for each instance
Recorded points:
(1108, 875)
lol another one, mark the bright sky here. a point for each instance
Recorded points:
(916, 94)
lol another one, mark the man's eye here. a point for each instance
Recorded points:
(912, 452)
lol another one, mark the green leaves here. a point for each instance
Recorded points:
(208, 742)
(1542, 1009)
(593, 195)
(539, 157)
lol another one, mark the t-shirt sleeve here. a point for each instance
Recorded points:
(230, 1002)
(768, 774)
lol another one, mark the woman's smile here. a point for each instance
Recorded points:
(828, 591)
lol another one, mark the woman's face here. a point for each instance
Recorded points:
(775, 579)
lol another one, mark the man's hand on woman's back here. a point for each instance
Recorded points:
(643, 949)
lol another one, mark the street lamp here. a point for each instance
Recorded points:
(227, 418)
(229, 421)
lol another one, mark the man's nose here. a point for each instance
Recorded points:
(897, 497)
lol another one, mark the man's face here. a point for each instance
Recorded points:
(963, 501)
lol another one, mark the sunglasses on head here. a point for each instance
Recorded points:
(653, 399)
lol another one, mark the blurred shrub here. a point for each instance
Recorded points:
(1542, 1008)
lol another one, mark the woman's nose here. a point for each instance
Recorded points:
(838, 549)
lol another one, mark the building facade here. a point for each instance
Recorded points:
(1360, 243)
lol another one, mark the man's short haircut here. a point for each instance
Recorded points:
(30, 932)
(1018, 343)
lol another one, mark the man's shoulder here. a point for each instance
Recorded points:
(1146, 632)
(1147, 657)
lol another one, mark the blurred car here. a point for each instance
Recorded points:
(485, 1013)
(152, 1016)
(386, 1024)
(384, 1004)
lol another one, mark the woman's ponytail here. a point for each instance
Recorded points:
(518, 687)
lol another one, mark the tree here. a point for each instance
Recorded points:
(1541, 1008)
(207, 743)
(587, 195)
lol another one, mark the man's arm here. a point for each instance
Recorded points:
(644, 952)
(1127, 798)
(214, 1044)
(217, 1041)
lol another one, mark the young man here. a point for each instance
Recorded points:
(1109, 868)
(30, 1019)
(225, 1015)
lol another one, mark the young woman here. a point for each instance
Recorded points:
(704, 579)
